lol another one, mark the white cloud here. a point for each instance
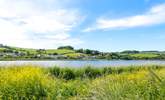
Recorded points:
(156, 15)
(27, 23)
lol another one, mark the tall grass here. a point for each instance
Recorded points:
(35, 83)
(24, 83)
(142, 85)
(109, 83)
(94, 72)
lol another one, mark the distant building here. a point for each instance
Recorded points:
(1, 45)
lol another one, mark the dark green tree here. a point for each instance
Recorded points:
(66, 47)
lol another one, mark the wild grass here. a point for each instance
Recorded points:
(60, 51)
(89, 83)
(141, 85)
(94, 72)
(145, 55)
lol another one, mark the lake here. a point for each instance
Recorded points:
(96, 63)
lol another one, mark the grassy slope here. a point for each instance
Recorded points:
(60, 51)
(144, 55)
(65, 52)
(73, 54)
(68, 53)
(2, 49)
(31, 82)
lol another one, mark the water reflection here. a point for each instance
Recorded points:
(96, 63)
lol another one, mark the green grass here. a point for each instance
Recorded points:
(2, 49)
(60, 51)
(75, 55)
(33, 51)
(45, 54)
(93, 72)
(141, 85)
(144, 55)
(122, 83)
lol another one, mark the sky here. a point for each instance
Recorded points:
(105, 25)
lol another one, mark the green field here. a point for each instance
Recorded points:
(70, 53)
(145, 55)
(88, 83)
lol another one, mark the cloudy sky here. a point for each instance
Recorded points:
(106, 25)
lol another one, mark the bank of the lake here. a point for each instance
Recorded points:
(91, 83)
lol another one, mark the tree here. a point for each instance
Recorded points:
(95, 52)
(8, 51)
(80, 51)
(115, 55)
(55, 53)
(66, 47)
(87, 51)
(41, 51)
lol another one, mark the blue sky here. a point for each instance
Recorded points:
(106, 25)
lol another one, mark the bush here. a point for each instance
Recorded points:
(66, 47)
(92, 72)
(68, 74)
(55, 71)
(107, 70)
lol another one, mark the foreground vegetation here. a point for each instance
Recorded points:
(89, 83)
(69, 53)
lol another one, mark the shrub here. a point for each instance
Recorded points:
(107, 70)
(68, 74)
(66, 47)
(92, 72)
(56, 71)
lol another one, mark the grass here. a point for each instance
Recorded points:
(2, 49)
(60, 51)
(33, 51)
(16, 53)
(137, 86)
(122, 83)
(145, 55)
(75, 55)
(93, 72)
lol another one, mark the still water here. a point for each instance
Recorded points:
(96, 63)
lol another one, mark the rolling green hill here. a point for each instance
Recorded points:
(68, 53)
